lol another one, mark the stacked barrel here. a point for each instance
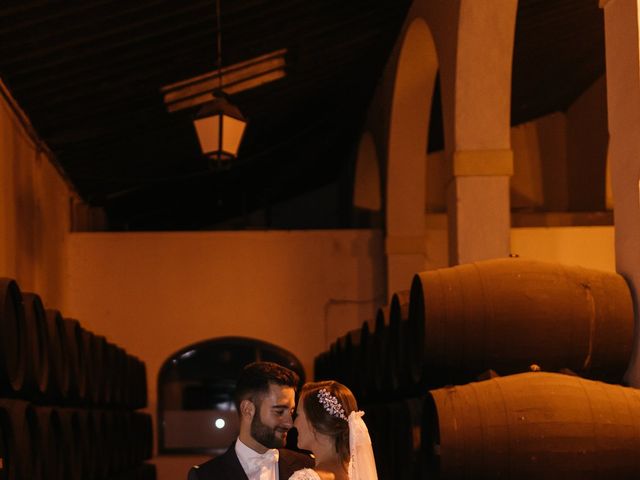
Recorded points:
(69, 398)
(504, 368)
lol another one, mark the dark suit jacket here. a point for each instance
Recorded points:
(228, 466)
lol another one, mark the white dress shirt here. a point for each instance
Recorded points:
(258, 466)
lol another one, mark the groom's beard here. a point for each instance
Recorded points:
(265, 435)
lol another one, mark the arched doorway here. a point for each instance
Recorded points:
(196, 412)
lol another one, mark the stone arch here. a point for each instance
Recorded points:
(367, 194)
(414, 82)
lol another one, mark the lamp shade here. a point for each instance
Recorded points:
(220, 127)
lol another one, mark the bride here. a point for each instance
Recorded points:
(331, 427)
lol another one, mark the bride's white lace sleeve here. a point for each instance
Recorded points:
(305, 474)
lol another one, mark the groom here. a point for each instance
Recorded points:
(265, 400)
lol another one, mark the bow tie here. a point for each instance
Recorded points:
(266, 460)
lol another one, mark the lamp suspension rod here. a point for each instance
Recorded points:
(219, 42)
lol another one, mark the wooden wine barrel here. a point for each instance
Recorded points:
(138, 437)
(344, 352)
(114, 439)
(21, 431)
(142, 385)
(133, 382)
(353, 359)
(73, 447)
(50, 435)
(378, 352)
(36, 382)
(535, 426)
(92, 354)
(103, 425)
(331, 361)
(506, 314)
(396, 375)
(130, 381)
(377, 418)
(88, 452)
(142, 427)
(399, 306)
(361, 362)
(399, 312)
(119, 377)
(126, 475)
(340, 355)
(12, 337)
(99, 452)
(321, 367)
(58, 358)
(405, 424)
(146, 471)
(37, 444)
(96, 368)
(125, 439)
(137, 381)
(109, 368)
(391, 365)
(115, 360)
(77, 362)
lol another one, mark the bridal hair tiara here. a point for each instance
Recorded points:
(331, 404)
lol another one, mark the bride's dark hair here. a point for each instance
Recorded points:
(322, 420)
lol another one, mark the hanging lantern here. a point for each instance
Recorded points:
(220, 126)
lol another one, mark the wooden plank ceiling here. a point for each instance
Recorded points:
(88, 74)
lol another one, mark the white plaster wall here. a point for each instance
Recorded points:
(590, 247)
(34, 210)
(154, 293)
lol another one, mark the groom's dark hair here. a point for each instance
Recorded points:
(256, 377)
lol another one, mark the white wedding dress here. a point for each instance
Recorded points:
(305, 474)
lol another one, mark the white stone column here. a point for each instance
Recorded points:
(471, 44)
(478, 205)
(622, 41)
(482, 160)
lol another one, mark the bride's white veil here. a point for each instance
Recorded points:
(362, 463)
